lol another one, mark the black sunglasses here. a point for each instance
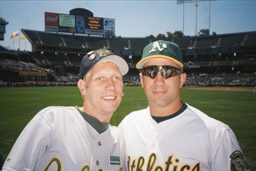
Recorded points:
(167, 71)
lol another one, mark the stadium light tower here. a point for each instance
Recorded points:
(196, 6)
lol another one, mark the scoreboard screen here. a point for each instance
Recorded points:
(66, 20)
(94, 23)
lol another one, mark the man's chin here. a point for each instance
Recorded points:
(110, 109)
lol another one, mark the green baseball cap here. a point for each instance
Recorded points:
(161, 49)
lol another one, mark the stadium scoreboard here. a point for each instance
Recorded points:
(55, 22)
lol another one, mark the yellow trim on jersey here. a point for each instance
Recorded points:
(159, 56)
(58, 164)
(150, 165)
(86, 166)
(128, 162)
(197, 166)
(139, 164)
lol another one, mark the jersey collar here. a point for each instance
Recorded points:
(100, 127)
(160, 119)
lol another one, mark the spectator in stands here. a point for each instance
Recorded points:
(171, 134)
(78, 138)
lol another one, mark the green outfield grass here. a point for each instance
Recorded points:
(237, 109)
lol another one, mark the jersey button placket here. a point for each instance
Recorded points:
(98, 148)
(153, 140)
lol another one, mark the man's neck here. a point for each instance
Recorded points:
(102, 118)
(166, 110)
(100, 127)
(159, 119)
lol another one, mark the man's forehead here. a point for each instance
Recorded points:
(161, 61)
(100, 67)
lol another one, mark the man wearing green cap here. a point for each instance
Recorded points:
(170, 135)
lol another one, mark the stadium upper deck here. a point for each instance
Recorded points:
(198, 51)
(68, 42)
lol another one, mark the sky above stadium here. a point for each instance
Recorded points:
(133, 18)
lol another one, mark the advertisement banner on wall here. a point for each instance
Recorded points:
(109, 26)
(66, 20)
(80, 25)
(51, 22)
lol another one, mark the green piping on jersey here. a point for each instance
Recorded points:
(87, 167)
(95, 123)
(58, 164)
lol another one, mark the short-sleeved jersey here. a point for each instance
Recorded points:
(59, 138)
(190, 141)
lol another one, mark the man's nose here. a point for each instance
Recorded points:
(110, 84)
(159, 78)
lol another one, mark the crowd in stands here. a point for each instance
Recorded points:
(201, 79)
(221, 80)
(23, 66)
(36, 84)
(69, 78)
(66, 78)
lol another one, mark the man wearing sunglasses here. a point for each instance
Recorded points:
(170, 135)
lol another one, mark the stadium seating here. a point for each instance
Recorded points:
(219, 60)
(207, 42)
(250, 39)
(232, 40)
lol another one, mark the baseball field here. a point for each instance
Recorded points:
(235, 107)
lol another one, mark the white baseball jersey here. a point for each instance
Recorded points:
(190, 141)
(60, 139)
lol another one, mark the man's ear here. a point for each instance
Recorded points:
(141, 80)
(183, 77)
(81, 87)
